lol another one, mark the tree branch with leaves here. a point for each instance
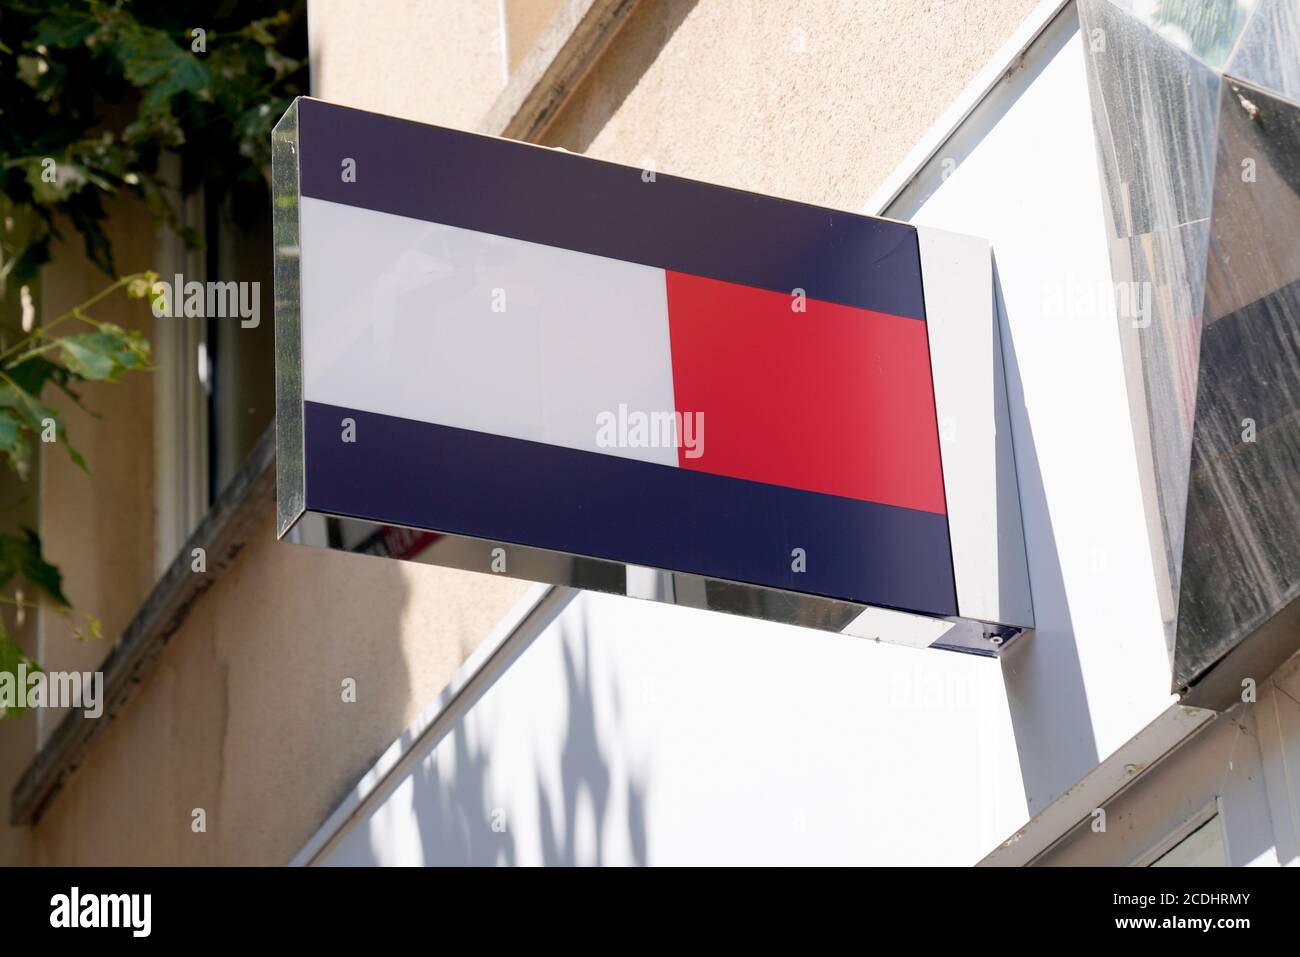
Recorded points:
(73, 347)
(93, 95)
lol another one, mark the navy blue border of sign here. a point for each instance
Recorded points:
(400, 472)
(569, 201)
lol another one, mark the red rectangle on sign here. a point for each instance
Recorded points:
(831, 399)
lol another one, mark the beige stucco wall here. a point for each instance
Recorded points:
(438, 61)
(244, 716)
(98, 526)
(816, 100)
(525, 20)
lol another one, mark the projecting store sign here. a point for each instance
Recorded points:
(503, 357)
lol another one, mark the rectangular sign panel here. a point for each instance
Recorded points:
(582, 367)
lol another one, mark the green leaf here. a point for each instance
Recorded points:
(30, 375)
(78, 459)
(53, 183)
(10, 430)
(259, 30)
(66, 28)
(105, 354)
(98, 249)
(31, 69)
(11, 656)
(24, 267)
(22, 556)
(26, 408)
(155, 63)
(41, 573)
(14, 443)
(32, 416)
(89, 628)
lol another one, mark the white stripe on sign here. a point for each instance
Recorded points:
(460, 328)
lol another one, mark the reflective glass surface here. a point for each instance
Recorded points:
(1266, 55)
(1242, 558)
(1207, 29)
(1154, 110)
(1198, 134)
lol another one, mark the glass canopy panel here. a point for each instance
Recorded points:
(1155, 112)
(1207, 29)
(1266, 55)
(1241, 563)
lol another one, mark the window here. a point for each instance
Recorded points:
(240, 355)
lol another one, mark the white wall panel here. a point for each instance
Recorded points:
(633, 732)
(1097, 670)
(630, 732)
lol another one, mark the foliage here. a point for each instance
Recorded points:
(89, 351)
(93, 94)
